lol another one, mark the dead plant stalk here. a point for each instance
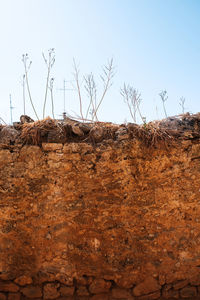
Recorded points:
(3, 121)
(182, 104)
(49, 64)
(163, 95)
(25, 60)
(76, 77)
(90, 87)
(133, 99)
(51, 92)
(108, 71)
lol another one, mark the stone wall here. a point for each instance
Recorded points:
(115, 220)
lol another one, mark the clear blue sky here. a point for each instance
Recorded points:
(155, 45)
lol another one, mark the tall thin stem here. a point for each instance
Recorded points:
(45, 98)
(76, 76)
(24, 102)
(51, 92)
(49, 65)
(182, 104)
(3, 121)
(164, 97)
(24, 59)
(137, 99)
(132, 99)
(108, 75)
(90, 87)
(164, 109)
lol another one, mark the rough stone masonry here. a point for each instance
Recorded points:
(110, 220)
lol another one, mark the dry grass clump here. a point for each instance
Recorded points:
(150, 134)
(37, 132)
(50, 130)
(185, 126)
(68, 130)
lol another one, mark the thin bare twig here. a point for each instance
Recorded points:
(3, 121)
(76, 117)
(133, 99)
(25, 60)
(163, 95)
(127, 94)
(91, 90)
(108, 74)
(51, 92)
(76, 77)
(90, 87)
(24, 100)
(182, 104)
(49, 63)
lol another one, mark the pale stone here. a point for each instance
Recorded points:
(52, 146)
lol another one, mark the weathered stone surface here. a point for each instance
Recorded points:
(8, 135)
(23, 280)
(62, 278)
(169, 293)
(127, 281)
(82, 291)
(32, 291)
(97, 133)
(14, 296)
(195, 280)
(188, 292)
(25, 119)
(77, 130)
(161, 279)
(180, 285)
(122, 134)
(82, 298)
(100, 297)
(44, 277)
(8, 287)
(99, 286)
(151, 296)
(67, 290)
(2, 296)
(52, 146)
(121, 293)
(66, 298)
(50, 291)
(82, 281)
(148, 286)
